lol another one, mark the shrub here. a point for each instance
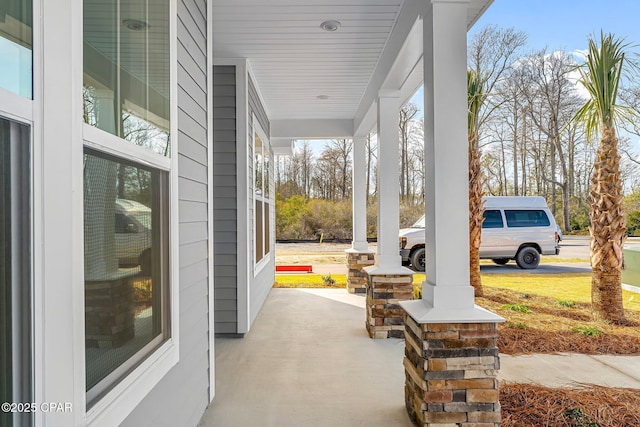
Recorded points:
(289, 214)
(516, 307)
(328, 280)
(566, 303)
(517, 325)
(580, 418)
(633, 223)
(586, 330)
(329, 218)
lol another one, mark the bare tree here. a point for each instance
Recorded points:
(332, 174)
(548, 90)
(372, 150)
(491, 54)
(407, 114)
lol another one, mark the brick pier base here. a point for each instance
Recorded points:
(356, 276)
(385, 317)
(451, 374)
(109, 313)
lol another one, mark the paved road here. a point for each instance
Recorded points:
(571, 247)
(574, 247)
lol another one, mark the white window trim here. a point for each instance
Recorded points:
(23, 110)
(124, 397)
(266, 258)
(210, 224)
(15, 107)
(106, 142)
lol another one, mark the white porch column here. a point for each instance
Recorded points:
(445, 330)
(359, 199)
(359, 256)
(388, 281)
(388, 254)
(447, 294)
(447, 176)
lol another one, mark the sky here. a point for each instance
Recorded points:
(564, 24)
(561, 24)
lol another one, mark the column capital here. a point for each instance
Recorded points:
(423, 312)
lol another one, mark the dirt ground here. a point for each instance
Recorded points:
(313, 253)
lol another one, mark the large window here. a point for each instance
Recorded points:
(126, 70)
(262, 211)
(15, 271)
(126, 93)
(16, 34)
(125, 264)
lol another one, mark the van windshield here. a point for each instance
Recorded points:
(419, 223)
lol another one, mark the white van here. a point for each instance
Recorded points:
(518, 228)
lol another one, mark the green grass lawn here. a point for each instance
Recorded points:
(563, 287)
(309, 281)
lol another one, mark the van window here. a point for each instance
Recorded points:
(526, 218)
(492, 219)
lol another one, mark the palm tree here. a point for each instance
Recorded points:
(476, 97)
(600, 75)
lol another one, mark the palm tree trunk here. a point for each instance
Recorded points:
(476, 211)
(608, 229)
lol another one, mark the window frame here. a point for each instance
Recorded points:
(116, 404)
(23, 110)
(108, 382)
(259, 265)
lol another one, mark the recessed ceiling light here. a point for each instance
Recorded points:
(323, 96)
(135, 24)
(330, 25)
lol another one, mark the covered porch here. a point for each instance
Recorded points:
(323, 71)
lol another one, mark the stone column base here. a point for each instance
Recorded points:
(451, 371)
(356, 276)
(385, 317)
(109, 313)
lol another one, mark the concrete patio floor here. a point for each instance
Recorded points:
(308, 361)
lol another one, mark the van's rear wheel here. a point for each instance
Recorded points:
(500, 261)
(417, 259)
(528, 258)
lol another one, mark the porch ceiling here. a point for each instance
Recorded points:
(312, 80)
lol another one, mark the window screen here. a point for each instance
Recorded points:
(125, 264)
(15, 270)
(526, 218)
